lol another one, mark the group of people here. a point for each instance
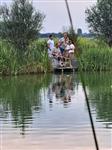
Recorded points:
(62, 51)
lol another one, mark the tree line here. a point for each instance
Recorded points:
(21, 23)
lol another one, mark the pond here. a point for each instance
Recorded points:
(49, 112)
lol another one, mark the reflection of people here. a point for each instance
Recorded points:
(49, 95)
(50, 44)
(63, 89)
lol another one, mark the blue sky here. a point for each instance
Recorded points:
(56, 13)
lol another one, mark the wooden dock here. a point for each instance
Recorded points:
(72, 68)
(63, 69)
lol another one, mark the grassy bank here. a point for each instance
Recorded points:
(95, 55)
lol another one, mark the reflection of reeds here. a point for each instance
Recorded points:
(21, 96)
(63, 88)
(100, 94)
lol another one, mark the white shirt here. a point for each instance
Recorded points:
(51, 47)
(51, 44)
(67, 47)
(72, 47)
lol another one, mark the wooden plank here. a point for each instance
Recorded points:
(60, 68)
(64, 69)
(56, 67)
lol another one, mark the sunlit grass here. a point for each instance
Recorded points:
(95, 55)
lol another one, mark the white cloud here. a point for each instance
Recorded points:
(56, 13)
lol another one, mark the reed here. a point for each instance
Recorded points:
(95, 55)
(35, 61)
(8, 59)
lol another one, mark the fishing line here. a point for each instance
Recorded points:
(83, 85)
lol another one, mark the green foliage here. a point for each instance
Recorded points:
(20, 24)
(8, 60)
(36, 61)
(38, 55)
(99, 18)
(95, 56)
(72, 35)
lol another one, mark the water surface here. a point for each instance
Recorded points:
(49, 112)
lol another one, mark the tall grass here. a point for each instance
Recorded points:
(35, 61)
(95, 55)
(8, 60)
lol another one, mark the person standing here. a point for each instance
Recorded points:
(50, 44)
(71, 50)
(63, 42)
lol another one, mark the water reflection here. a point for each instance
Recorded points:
(100, 95)
(62, 88)
(53, 107)
(19, 97)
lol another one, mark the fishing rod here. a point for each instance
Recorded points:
(83, 84)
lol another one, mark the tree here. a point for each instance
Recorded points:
(99, 18)
(20, 24)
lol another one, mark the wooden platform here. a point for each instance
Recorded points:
(64, 69)
(67, 68)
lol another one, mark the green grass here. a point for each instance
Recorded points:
(35, 61)
(95, 55)
(8, 61)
